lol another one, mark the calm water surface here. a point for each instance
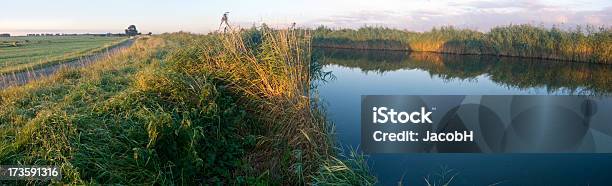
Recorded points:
(359, 72)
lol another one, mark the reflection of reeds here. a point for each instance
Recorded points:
(557, 77)
(427, 57)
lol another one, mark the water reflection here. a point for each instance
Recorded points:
(520, 73)
(361, 72)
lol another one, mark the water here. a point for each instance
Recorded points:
(359, 72)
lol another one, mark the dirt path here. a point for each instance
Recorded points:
(21, 78)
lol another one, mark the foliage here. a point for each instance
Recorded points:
(351, 169)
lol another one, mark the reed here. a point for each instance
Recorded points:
(271, 72)
(591, 44)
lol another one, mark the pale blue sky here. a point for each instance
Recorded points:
(98, 16)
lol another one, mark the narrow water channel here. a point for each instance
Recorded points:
(359, 72)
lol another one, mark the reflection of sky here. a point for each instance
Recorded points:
(351, 83)
(26, 16)
(342, 96)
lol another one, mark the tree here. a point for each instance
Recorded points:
(131, 31)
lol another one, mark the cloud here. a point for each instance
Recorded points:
(523, 4)
(481, 15)
(362, 18)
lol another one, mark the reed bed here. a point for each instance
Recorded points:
(590, 44)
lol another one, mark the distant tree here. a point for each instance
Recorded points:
(131, 31)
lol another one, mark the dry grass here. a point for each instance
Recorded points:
(275, 83)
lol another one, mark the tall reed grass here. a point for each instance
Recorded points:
(271, 72)
(591, 44)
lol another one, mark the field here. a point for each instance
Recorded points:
(182, 109)
(26, 53)
(589, 44)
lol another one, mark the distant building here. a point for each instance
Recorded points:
(5, 35)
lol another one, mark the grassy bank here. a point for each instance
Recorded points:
(181, 109)
(19, 54)
(593, 45)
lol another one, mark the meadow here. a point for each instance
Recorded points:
(22, 53)
(589, 44)
(183, 109)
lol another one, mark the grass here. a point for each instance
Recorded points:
(181, 108)
(26, 53)
(591, 44)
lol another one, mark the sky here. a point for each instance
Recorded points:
(20, 17)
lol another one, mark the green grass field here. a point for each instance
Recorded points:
(26, 53)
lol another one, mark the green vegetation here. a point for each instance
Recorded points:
(27, 53)
(181, 109)
(592, 44)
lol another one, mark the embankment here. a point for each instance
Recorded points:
(181, 109)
